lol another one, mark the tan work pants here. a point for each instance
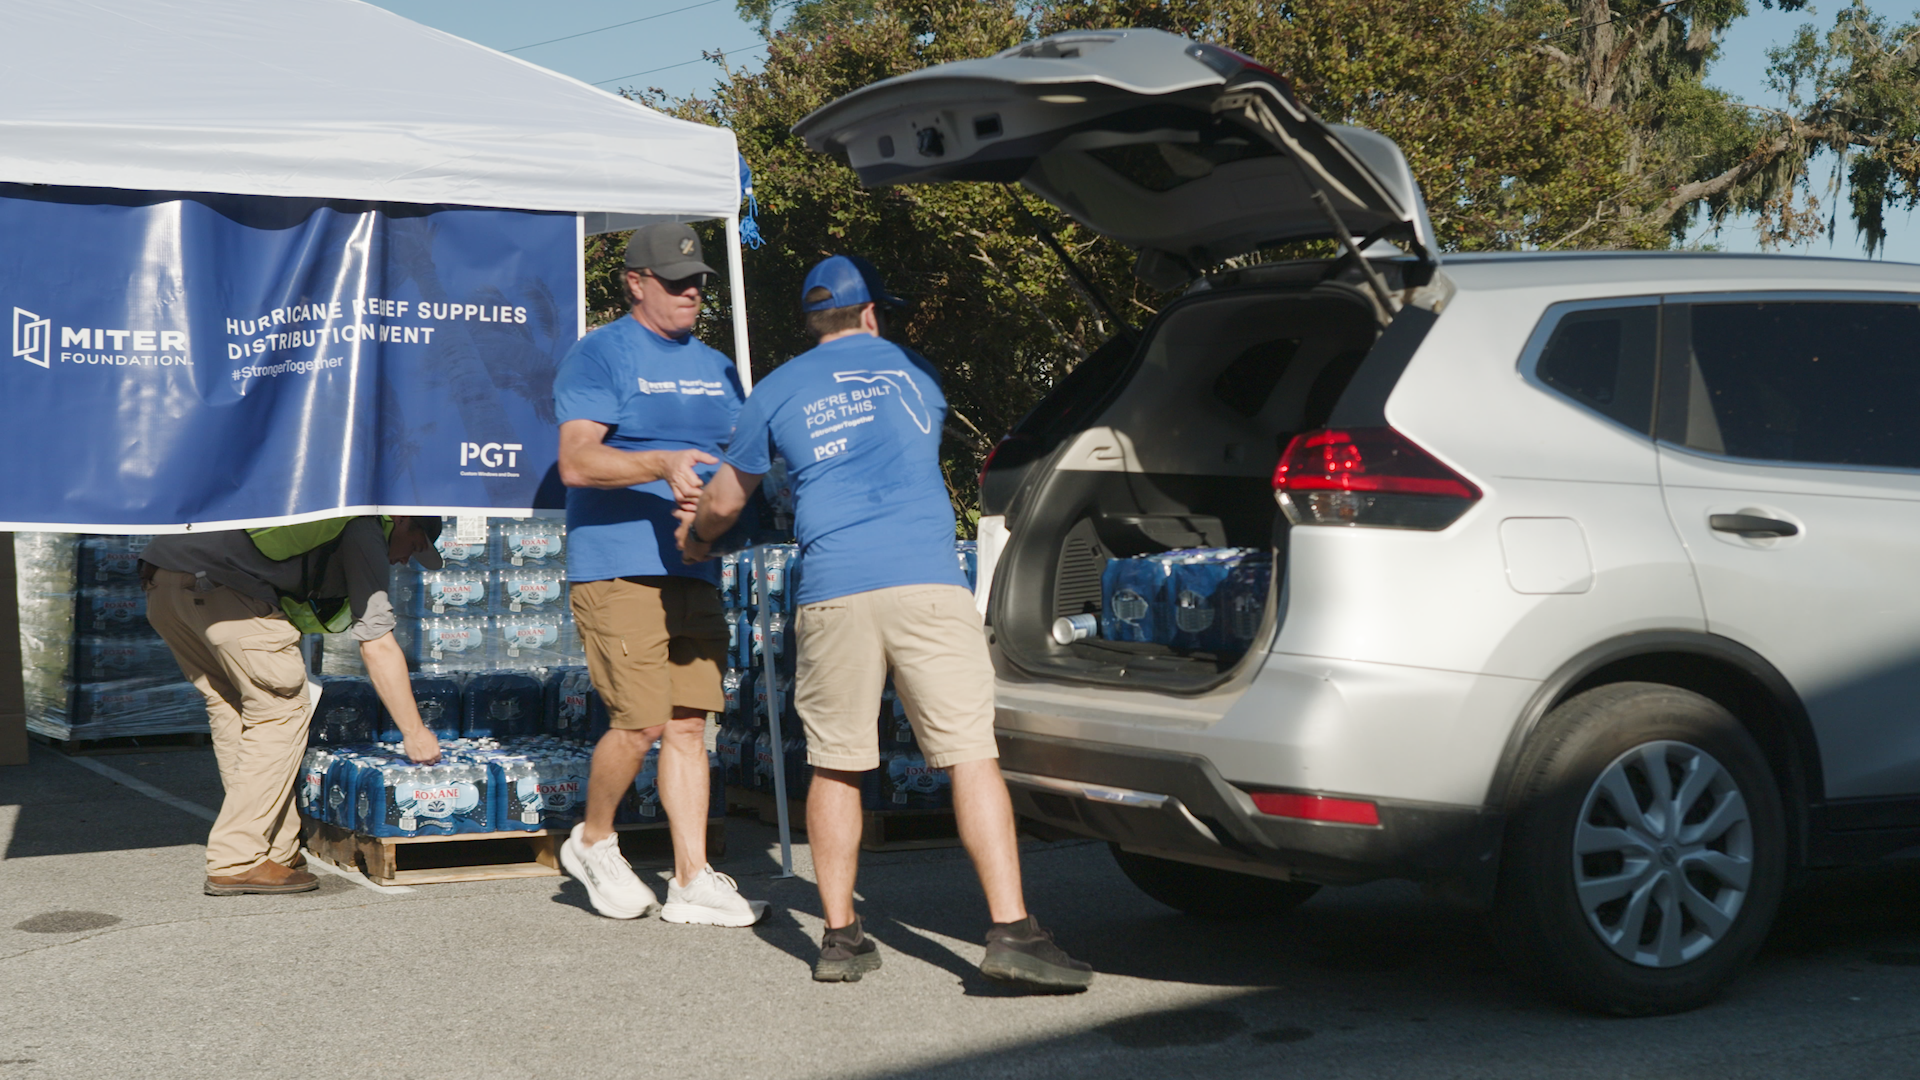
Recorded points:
(244, 658)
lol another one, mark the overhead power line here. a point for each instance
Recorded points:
(615, 26)
(683, 63)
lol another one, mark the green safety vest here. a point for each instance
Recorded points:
(313, 543)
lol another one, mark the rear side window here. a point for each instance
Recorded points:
(1603, 358)
(1813, 382)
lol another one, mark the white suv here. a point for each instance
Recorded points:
(1597, 577)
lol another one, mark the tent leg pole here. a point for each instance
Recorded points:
(13, 694)
(775, 706)
(737, 299)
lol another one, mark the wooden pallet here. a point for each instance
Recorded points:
(127, 744)
(880, 830)
(497, 856)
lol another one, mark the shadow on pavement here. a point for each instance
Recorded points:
(64, 809)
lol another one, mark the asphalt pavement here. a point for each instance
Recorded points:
(112, 963)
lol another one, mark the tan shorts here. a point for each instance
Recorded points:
(653, 644)
(930, 635)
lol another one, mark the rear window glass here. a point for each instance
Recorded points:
(1603, 359)
(1831, 383)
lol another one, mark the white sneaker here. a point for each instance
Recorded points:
(711, 899)
(611, 884)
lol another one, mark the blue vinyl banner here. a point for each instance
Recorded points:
(217, 360)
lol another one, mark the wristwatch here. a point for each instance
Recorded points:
(693, 534)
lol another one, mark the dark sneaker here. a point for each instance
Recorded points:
(1023, 954)
(846, 954)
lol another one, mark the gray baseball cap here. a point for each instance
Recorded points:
(670, 251)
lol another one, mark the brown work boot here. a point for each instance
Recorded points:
(299, 861)
(268, 877)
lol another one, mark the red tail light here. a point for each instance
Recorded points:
(987, 462)
(1316, 808)
(1368, 476)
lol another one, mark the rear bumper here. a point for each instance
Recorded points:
(1177, 806)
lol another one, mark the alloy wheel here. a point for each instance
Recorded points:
(1663, 854)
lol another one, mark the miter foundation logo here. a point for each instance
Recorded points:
(32, 338)
(33, 341)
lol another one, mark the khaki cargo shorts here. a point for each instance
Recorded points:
(653, 644)
(931, 638)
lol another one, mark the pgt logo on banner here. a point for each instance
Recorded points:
(32, 338)
(492, 455)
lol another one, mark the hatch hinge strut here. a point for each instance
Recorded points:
(1087, 287)
(1345, 235)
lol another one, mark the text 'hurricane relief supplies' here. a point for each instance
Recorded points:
(92, 665)
(1207, 600)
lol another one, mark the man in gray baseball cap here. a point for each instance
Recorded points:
(644, 410)
(669, 252)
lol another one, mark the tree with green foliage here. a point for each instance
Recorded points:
(1528, 123)
(1853, 96)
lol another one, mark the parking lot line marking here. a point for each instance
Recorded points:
(178, 803)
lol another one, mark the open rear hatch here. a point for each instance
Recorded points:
(1188, 154)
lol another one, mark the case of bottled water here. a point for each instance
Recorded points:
(450, 591)
(500, 705)
(110, 560)
(1132, 597)
(521, 541)
(111, 610)
(455, 553)
(530, 639)
(567, 688)
(438, 699)
(349, 712)
(446, 644)
(531, 587)
(1243, 599)
(101, 658)
(1195, 599)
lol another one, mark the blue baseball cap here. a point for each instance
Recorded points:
(849, 280)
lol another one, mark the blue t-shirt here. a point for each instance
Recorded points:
(654, 393)
(858, 420)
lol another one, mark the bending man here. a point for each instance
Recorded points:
(221, 603)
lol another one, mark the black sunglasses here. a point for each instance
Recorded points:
(680, 285)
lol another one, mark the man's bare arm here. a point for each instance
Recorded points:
(586, 461)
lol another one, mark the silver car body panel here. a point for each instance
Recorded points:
(1406, 658)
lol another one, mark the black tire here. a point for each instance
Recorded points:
(1625, 733)
(1211, 893)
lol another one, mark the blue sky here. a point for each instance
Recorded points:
(664, 50)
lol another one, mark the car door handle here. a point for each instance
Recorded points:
(1752, 525)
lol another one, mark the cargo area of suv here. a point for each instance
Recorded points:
(1174, 449)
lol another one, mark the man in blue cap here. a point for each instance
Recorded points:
(858, 420)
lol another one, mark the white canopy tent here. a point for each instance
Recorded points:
(334, 99)
(339, 99)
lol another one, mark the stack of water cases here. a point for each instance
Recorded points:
(499, 605)
(769, 577)
(94, 668)
(477, 786)
(1199, 600)
(514, 757)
